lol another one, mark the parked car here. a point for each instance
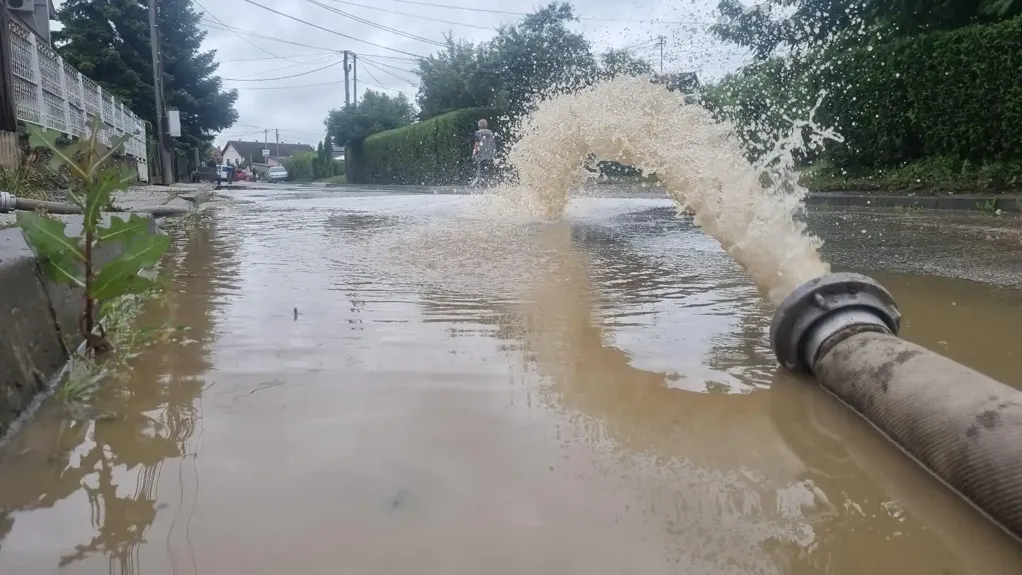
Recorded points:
(241, 176)
(206, 174)
(276, 174)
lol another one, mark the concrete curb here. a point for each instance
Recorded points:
(39, 318)
(1005, 203)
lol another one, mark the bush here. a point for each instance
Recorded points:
(956, 94)
(434, 151)
(309, 166)
(949, 94)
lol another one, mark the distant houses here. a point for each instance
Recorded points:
(251, 153)
(684, 82)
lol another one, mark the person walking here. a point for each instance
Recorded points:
(483, 152)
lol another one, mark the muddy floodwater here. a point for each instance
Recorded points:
(380, 383)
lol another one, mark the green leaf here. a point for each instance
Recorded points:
(61, 270)
(123, 230)
(47, 236)
(116, 276)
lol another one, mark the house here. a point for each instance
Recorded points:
(36, 14)
(237, 151)
(685, 82)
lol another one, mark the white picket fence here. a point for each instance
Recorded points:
(50, 92)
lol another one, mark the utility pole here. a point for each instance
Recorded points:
(167, 168)
(663, 41)
(354, 72)
(347, 93)
(278, 144)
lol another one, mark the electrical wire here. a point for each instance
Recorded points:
(374, 65)
(221, 22)
(410, 15)
(239, 135)
(246, 88)
(585, 18)
(391, 66)
(319, 56)
(375, 25)
(320, 60)
(373, 76)
(333, 50)
(331, 65)
(263, 36)
(317, 26)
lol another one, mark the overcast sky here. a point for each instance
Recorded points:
(297, 105)
(289, 74)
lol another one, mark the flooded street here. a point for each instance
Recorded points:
(380, 383)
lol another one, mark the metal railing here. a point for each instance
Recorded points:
(51, 93)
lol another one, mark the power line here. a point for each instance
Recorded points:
(333, 50)
(289, 17)
(331, 65)
(391, 66)
(239, 135)
(410, 15)
(293, 87)
(375, 25)
(373, 65)
(320, 60)
(258, 35)
(373, 76)
(369, 62)
(318, 56)
(509, 13)
(256, 46)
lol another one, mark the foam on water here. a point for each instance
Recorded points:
(698, 160)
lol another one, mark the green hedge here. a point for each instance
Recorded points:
(956, 94)
(952, 94)
(431, 152)
(307, 166)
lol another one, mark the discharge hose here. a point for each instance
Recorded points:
(9, 202)
(961, 425)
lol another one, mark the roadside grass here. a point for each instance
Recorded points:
(336, 180)
(25, 181)
(925, 177)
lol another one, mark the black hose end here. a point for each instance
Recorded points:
(819, 298)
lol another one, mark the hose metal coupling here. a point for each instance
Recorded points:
(7, 202)
(838, 303)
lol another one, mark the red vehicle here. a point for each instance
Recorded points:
(241, 176)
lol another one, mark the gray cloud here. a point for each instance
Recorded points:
(296, 106)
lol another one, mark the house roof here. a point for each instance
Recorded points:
(255, 149)
(684, 81)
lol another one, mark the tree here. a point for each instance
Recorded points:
(536, 57)
(812, 22)
(621, 62)
(375, 112)
(108, 41)
(540, 56)
(459, 76)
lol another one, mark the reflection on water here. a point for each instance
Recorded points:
(384, 384)
(106, 470)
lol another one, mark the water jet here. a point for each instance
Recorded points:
(964, 427)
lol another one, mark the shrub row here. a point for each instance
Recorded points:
(308, 166)
(951, 94)
(431, 152)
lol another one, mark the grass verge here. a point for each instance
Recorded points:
(939, 175)
(336, 180)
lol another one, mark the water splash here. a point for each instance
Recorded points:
(749, 208)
